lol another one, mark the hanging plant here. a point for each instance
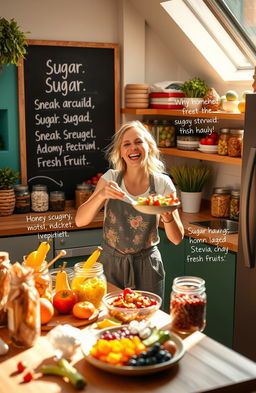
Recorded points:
(12, 42)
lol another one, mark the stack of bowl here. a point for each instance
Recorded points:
(211, 149)
(136, 95)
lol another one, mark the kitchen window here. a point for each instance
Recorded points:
(215, 28)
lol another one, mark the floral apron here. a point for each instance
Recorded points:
(128, 256)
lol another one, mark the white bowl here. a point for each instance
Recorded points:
(230, 106)
(210, 148)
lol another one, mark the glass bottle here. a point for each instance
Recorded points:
(235, 143)
(220, 202)
(89, 284)
(234, 205)
(22, 196)
(43, 280)
(23, 307)
(223, 142)
(57, 201)
(39, 198)
(82, 193)
(188, 305)
(5, 277)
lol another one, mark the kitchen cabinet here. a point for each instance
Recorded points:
(219, 277)
(18, 246)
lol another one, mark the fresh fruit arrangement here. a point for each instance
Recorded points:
(211, 139)
(158, 200)
(94, 180)
(230, 102)
(128, 346)
(132, 299)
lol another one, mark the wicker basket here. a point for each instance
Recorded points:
(7, 202)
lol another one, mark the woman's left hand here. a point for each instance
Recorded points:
(167, 217)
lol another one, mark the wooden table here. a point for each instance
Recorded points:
(207, 366)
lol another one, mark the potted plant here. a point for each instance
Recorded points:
(194, 90)
(12, 42)
(7, 196)
(190, 181)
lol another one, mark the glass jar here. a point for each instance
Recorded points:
(234, 205)
(188, 305)
(89, 284)
(39, 198)
(23, 307)
(223, 142)
(54, 272)
(220, 202)
(235, 143)
(165, 134)
(43, 280)
(82, 193)
(5, 277)
(57, 201)
(22, 197)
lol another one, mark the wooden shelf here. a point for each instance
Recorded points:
(179, 113)
(201, 156)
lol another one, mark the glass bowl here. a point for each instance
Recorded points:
(127, 315)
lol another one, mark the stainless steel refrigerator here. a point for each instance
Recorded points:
(245, 296)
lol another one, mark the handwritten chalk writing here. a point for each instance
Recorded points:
(60, 217)
(208, 130)
(63, 87)
(183, 122)
(74, 161)
(200, 249)
(46, 120)
(80, 146)
(42, 163)
(203, 121)
(49, 136)
(85, 102)
(45, 149)
(35, 218)
(196, 231)
(65, 69)
(81, 135)
(60, 225)
(52, 235)
(41, 105)
(76, 119)
(194, 240)
(199, 258)
(215, 258)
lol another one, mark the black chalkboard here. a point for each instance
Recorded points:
(69, 109)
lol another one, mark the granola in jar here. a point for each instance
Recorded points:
(235, 143)
(220, 202)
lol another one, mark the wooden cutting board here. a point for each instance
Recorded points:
(70, 319)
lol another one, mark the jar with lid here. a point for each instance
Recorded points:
(5, 278)
(223, 142)
(39, 198)
(82, 193)
(57, 200)
(43, 279)
(188, 305)
(234, 205)
(235, 143)
(22, 199)
(220, 202)
(89, 284)
(70, 275)
(165, 134)
(23, 307)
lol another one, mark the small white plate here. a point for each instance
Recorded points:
(147, 209)
(208, 151)
(130, 370)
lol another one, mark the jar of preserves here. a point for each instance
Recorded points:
(5, 278)
(220, 202)
(165, 134)
(82, 193)
(23, 307)
(234, 205)
(39, 198)
(223, 142)
(188, 305)
(43, 280)
(22, 199)
(57, 201)
(89, 284)
(235, 143)
(70, 275)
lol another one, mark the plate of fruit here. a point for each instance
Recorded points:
(133, 349)
(157, 204)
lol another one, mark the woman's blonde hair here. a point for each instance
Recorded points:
(153, 164)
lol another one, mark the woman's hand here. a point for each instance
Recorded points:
(112, 191)
(167, 217)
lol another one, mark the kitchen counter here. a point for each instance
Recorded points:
(207, 366)
(32, 223)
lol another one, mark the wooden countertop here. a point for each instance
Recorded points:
(32, 223)
(207, 366)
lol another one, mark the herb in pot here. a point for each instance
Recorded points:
(195, 88)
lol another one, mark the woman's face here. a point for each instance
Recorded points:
(134, 147)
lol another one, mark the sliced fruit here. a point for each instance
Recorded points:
(107, 322)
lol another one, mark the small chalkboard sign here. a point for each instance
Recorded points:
(69, 109)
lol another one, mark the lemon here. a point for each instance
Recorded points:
(231, 95)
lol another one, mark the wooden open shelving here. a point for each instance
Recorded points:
(185, 153)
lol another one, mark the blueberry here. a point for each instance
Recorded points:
(132, 362)
(143, 354)
(152, 360)
(134, 357)
(141, 362)
(167, 357)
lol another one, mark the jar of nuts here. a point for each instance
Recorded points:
(234, 205)
(220, 202)
(235, 143)
(223, 142)
(39, 198)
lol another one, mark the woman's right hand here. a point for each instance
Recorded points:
(112, 191)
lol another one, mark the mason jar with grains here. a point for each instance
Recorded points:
(235, 143)
(234, 205)
(220, 202)
(82, 193)
(39, 198)
(57, 200)
(223, 142)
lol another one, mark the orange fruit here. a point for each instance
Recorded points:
(241, 106)
(83, 310)
(46, 310)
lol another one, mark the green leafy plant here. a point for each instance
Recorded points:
(195, 87)
(12, 42)
(8, 178)
(190, 178)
